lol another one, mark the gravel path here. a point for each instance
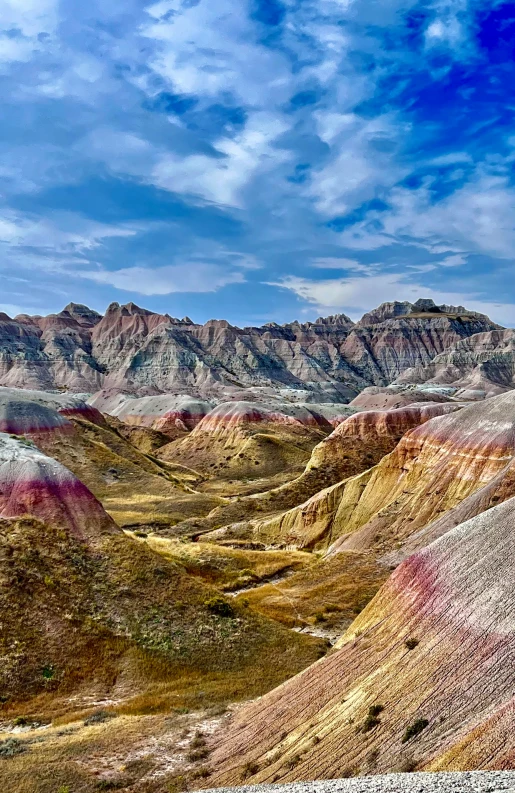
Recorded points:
(463, 782)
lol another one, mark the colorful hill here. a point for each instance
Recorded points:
(422, 679)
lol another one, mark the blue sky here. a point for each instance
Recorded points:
(257, 160)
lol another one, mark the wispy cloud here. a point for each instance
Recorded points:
(187, 277)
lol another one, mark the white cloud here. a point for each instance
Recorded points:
(448, 29)
(15, 49)
(122, 152)
(210, 48)
(31, 17)
(363, 162)
(22, 23)
(222, 180)
(187, 277)
(451, 158)
(477, 218)
(67, 233)
(335, 263)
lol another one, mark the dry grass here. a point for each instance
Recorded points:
(133, 487)
(252, 451)
(131, 753)
(117, 621)
(229, 568)
(330, 591)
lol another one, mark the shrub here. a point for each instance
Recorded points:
(372, 720)
(178, 783)
(249, 769)
(11, 747)
(48, 672)
(217, 605)
(112, 784)
(415, 729)
(411, 643)
(198, 741)
(293, 761)
(202, 772)
(98, 717)
(408, 765)
(217, 710)
(197, 754)
(373, 757)
(320, 617)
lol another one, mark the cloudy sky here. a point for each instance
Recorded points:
(257, 160)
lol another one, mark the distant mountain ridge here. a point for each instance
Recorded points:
(131, 348)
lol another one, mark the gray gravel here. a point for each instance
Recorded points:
(462, 782)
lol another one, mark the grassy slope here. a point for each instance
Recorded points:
(133, 488)
(119, 621)
(330, 591)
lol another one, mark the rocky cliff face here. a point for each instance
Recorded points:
(134, 349)
(478, 367)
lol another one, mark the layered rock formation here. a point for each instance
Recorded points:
(390, 398)
(133, 488)
(89, 614)
(423, 679)
(476, 368)
(249, 439)
(20, 418)
(433, 469)
(401, 309)
(133, 349)
(347, 458)
(166, 413)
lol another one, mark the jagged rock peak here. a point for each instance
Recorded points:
(334, 319)
(134, 349)
(385, 311)
(82, 314)
(217, 323)
(127, 309)
(392, 310)
(425, 305)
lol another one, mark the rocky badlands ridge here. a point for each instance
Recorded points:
(135, 488)
(357, 444)
(474, 368)
(411, 505)
(130, 348)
